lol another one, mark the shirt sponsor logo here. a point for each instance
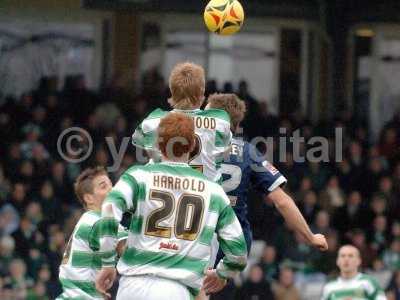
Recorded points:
(169, 246)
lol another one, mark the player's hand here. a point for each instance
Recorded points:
(105, 280)
(319, 241)
(213, 283)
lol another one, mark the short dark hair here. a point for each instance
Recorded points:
(84, 182)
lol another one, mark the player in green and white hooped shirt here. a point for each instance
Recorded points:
(212, 127)
(82, 258)
(352, 285)
(176, 211)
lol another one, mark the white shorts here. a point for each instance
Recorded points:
(151, 288)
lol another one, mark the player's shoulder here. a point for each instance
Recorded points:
(368, 278)
(136, 171)
(219, 114)
(156, 114)
(85, 224)
(332, 281)
(89, 217)
(144, 133)
(331, 284)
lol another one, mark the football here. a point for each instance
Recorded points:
(224, 17)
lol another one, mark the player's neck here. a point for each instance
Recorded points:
(348, 275)
(96, 208)
(185, 104)
(193, 107)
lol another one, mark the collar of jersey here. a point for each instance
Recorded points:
(187, 110)
(355, 277)
(182, 164)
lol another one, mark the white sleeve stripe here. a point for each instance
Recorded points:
(126, 190)
(277, 183)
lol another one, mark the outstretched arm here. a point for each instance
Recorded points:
(293, 217)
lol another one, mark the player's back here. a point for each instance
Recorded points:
(82, 260)
(212, 128)
(80, 263)
(246, 168)
(176, 213)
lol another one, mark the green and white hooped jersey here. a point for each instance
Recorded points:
(82, 260)
(176, 211)
(212, 128)
(361, 287)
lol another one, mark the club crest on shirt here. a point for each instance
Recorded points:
(270, 167)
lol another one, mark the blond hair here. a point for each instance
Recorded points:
(235, 107)
(187, 85)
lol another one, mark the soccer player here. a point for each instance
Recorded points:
(176, 211)
(351, 284)
(247, 168)
(82, 259)
(212, 127)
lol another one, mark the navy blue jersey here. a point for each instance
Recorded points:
(245, 169)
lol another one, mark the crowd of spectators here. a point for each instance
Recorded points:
(353, 200)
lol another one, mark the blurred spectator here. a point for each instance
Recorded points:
(38, 292)
(255, 287)
(378, 206)
(18, 197)
(322, 223)
(24, 237)
(18, 279)
(368, 253)
(32, 132)
(343, 170)
(62, 187)
(389, 145)
(391, 256)
(53, 288)
(305, 187)
(4, 187)
(309, 206)
(13, 160)
(352, 215)
(56, 250)
(9, 219)
(395, 232)
(332, 196)
(371, 179)
(298, 254)
(50, 203)
(269, 263)
(378, 235)
(7, 247)
(380, 272)
(285, 289)
(107, 114)
(318, 174)
(394, 287)
(26, 174)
